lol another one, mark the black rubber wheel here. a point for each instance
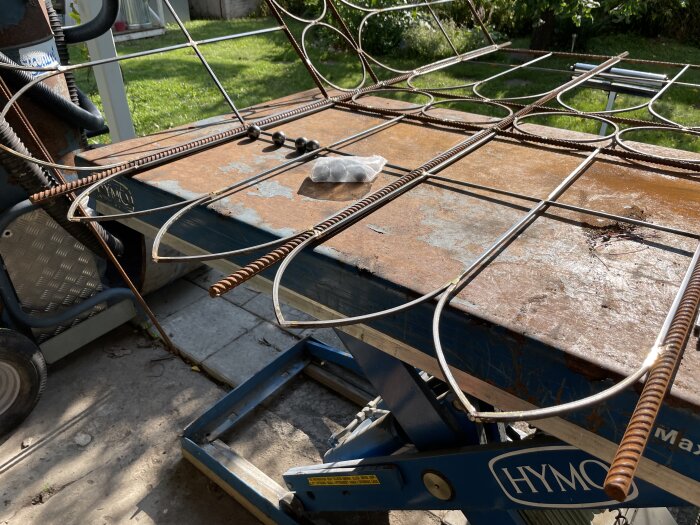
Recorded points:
(22, 378)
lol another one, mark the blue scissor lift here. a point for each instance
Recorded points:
(410, 448)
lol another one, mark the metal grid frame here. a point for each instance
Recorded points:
(665, 354)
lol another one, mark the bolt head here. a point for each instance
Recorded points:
(301, 143)
(253, 132)
(278, 138)
(437, 485)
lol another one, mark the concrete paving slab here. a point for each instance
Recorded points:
(262, 307)
(132, 408)
(174, 297)
(206, 326)
(245, 356)
(208, 276)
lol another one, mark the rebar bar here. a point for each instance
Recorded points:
(668, 353)
(481, 137)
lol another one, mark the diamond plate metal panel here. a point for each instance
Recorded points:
(48, 268)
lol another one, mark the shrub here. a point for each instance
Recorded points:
(426, 40)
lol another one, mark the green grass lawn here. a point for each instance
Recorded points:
(167, 90)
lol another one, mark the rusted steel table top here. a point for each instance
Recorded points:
(593, 288)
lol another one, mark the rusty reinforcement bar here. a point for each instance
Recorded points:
(136, 166)
(656, 387)
(548, 141)
(393, 190)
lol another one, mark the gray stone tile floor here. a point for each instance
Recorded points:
(231, 338)
(234, 337)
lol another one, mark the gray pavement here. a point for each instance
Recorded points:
(102, 445)
(246, 337)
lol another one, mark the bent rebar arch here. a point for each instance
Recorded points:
(356, 98)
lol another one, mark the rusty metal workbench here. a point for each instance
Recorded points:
(563, 312)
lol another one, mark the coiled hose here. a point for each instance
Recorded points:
(32, 178)
(64, 58)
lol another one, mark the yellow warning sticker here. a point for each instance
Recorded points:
(327, 481)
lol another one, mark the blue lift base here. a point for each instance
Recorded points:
(389, 462)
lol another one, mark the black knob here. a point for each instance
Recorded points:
(301, 143)
(278, 137)
(253, 132)
(312, 145)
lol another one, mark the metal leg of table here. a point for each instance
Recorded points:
(428, 424)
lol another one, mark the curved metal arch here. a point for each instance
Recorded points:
(13, 100)
(206, 199)
(430, 106)
(327, 323)
(357, 51)
(507, 72)
(657, 97)
(524, 415)
(609, 136)
(608, 111)
(216, 195)
(319, 234)
(558, 410)
(410, 79)
(224, 192)
(361, 7)
(601, 112)
(410, 109)
(374, 12)
(449, 62)
(300, 19)
(626, 146)
(506, 238)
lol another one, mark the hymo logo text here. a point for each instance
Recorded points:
(557, 476)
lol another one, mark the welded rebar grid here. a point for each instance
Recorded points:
(354, 99)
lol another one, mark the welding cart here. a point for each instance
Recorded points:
(58, 287)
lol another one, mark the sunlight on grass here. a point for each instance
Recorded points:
(172, 89)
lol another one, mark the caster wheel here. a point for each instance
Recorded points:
(22, 378)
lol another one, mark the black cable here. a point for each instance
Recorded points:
(65, 109)
(99, 25)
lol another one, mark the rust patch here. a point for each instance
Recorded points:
(546, 285)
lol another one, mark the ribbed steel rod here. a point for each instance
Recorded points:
(667, 356)
(136, 166)
(598, 57)
(268, 260)
(624, 154)
(133, 167)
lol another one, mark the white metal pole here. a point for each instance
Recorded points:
(110, 82)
